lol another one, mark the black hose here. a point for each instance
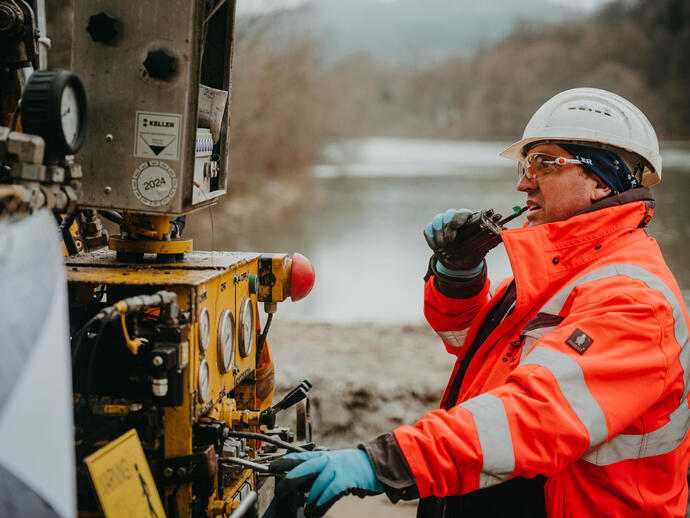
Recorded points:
(92, 362)
(112, 216)
(66, 222)
(78, 337)
(262, 338)
(67, 236)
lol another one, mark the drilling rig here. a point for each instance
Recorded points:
(167, 390)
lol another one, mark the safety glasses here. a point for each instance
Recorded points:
(536, 165)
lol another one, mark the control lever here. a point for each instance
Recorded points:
(268, 416)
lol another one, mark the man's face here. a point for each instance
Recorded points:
(561, 194)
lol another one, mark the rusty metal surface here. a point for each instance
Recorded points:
(141, 277)
(191, 261)
(196, 268)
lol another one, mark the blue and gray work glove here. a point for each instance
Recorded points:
(452, 235)
(328, 475)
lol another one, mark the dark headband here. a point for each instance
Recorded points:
(606, 165)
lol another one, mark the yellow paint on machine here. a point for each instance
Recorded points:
(214, 281)
(123, 481)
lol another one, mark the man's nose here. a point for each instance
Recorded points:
(526, 184)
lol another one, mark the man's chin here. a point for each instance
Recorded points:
(535, 218)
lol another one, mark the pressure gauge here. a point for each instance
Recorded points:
(54, 107)
(204, 381)
(246, 327)
(226, 341)
(204, 330)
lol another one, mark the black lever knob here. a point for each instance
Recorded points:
(292, 398)
(104, 27)
(268, 416)
(161, 64)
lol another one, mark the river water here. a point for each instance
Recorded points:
(366, 240)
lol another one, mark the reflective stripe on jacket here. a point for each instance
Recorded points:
(585, 382)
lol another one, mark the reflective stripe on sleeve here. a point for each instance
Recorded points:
(571, 382)
(668, 437)
(454, 338)
(491, 422)
(660, 441)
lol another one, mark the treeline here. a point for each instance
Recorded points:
(639, 49)
(278, 107)
(285, 102)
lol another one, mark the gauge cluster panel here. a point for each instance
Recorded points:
(226, 324)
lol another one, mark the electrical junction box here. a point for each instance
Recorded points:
(157, 77)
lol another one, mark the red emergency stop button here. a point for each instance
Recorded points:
(301, 277)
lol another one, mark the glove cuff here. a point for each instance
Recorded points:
(464, 275)
(456, 287)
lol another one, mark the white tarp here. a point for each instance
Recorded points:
(36, 443)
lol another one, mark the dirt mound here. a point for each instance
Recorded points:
(368, 378)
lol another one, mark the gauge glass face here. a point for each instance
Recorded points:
(204, 381)
(69, 115)
(246, 327)
(226, 341)
(204, 330)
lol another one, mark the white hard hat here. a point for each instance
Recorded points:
(597, 118)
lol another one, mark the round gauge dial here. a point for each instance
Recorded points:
(246, 331)
(204, 381)
(226, 341)
(204, 330)
(69, 115)
(54, 107)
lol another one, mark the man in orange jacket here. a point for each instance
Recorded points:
(570, 392)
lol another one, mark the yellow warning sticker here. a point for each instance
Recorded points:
(123, 480)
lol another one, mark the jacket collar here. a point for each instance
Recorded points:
(545, 256)
(643, 194)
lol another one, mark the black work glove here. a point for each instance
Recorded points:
(459, 240)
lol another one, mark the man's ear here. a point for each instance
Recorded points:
(601, 190)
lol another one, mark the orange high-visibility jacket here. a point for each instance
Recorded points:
(585, 382)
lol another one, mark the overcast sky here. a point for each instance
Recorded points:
(260, 6)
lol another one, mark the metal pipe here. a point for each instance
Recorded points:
(267, 438)
(247, 463)
(246, 505)
(43, 40)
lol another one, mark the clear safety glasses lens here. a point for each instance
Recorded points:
(536, 165)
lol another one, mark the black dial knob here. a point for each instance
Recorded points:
(161, 64)
(54, 107)
(104, 27)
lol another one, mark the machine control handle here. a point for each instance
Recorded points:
(268, 416)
